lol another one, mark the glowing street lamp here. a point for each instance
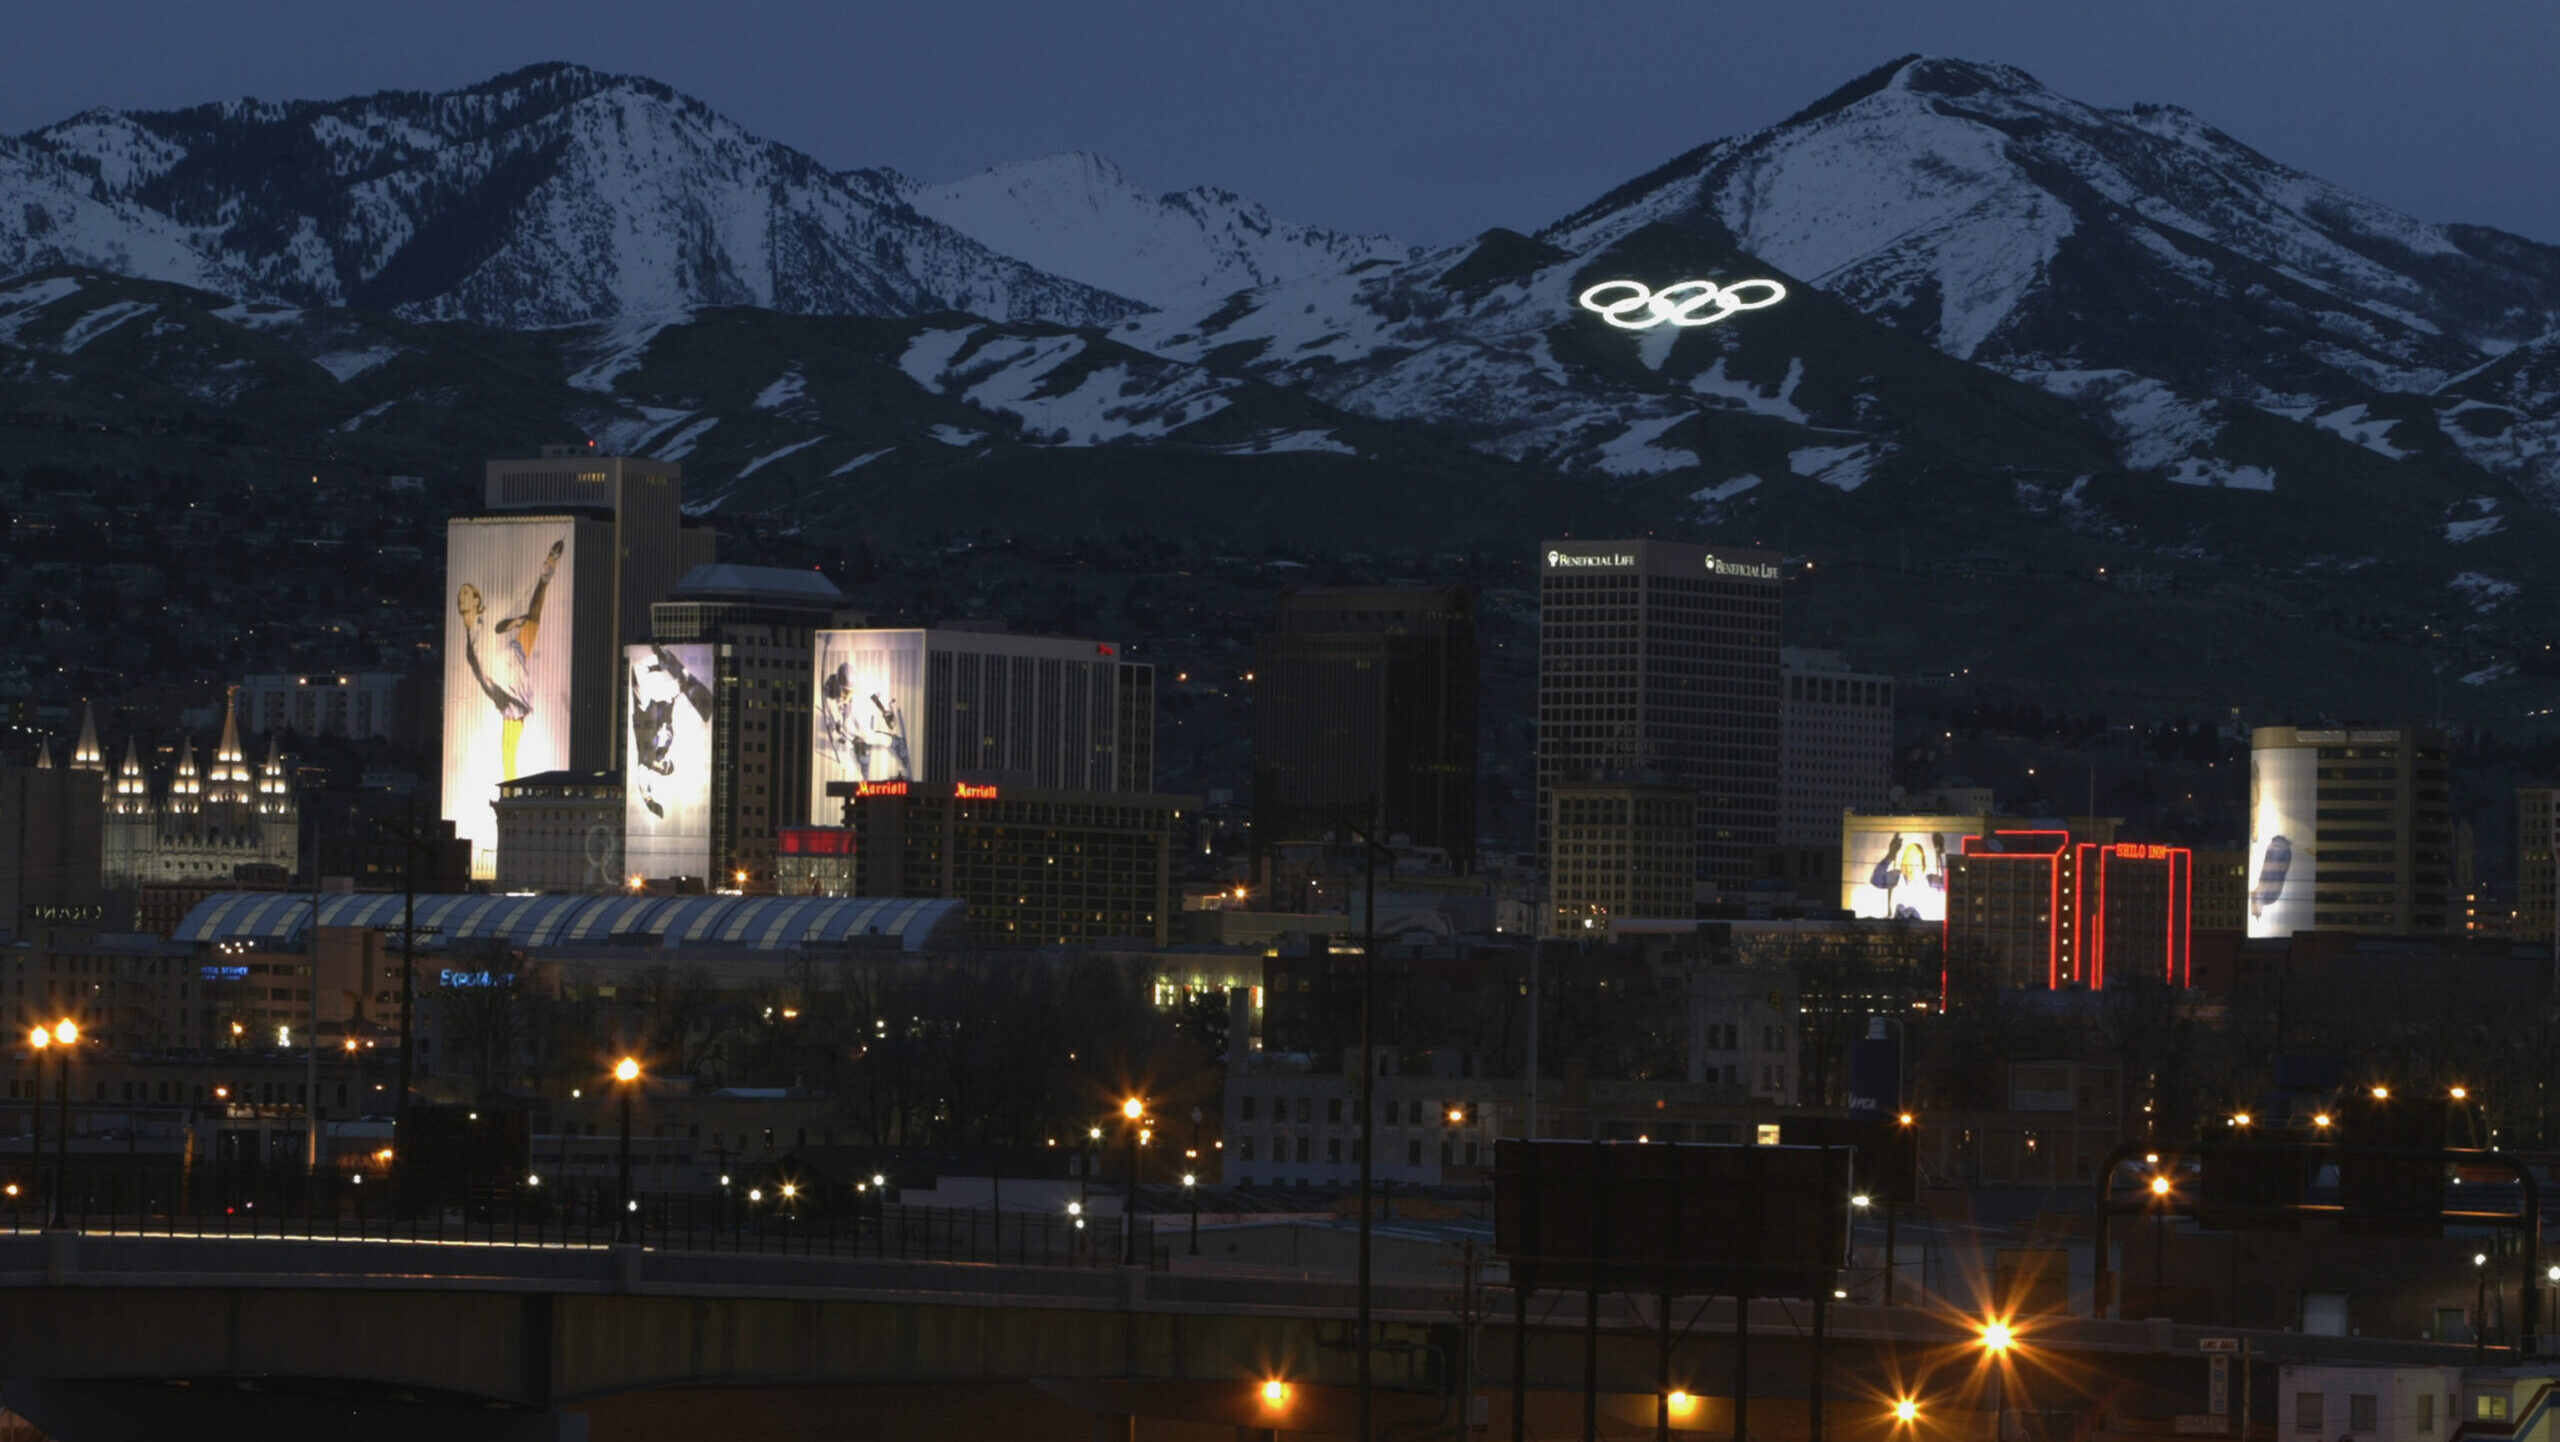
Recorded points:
(1134, 1110)
(66, 1035)
(1275, 1394)
(1906, 1412)
(626, 1076)
(1191, 1189)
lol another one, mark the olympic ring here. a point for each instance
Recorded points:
(1682, 303)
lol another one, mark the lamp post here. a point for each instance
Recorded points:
(37, 1040)
(1191, 1189)
(626, 1076)
(1134, 1112)
(1997, 1339)
(2480, 1308)
(66, 1033)
(1092, 1163)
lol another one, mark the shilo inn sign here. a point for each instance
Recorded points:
(1633, 305)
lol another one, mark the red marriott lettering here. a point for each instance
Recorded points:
(880, 788)
(966, 792)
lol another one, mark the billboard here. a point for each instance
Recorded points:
(508, 638)
(868, 696)
(1896, 866)
(666, 764)
(2283, 859)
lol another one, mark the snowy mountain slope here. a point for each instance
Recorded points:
(549, 196)
(1971, 205)
(53, 217)
(2139, 262)
(1078, 215)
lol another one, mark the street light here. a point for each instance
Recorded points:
(1906, 1411)
(1191, 1189)
(1134, 1110)
(66, 1033)
(37, 1040)
(626, 1075)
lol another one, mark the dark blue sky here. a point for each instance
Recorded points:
(1428, 121)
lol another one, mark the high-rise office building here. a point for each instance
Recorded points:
(1368, 693)
(1620, 851)
(1660, 656)
(1836, 749)
(943, 705)
(541, 597)
(749, 633)
(2537, 862)
(2349, 830)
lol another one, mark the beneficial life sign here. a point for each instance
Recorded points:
(1633, 305)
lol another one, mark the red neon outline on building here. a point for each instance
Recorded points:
(2053, 889)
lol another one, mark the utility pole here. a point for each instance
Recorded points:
(1368, 1092)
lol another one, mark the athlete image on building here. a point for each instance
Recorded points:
(661, 686)
(865, 734)
(501, 656)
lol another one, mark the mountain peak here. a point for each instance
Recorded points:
(1080, 215)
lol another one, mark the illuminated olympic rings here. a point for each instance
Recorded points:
(1682, 303)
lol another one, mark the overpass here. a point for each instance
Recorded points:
(110, 1337)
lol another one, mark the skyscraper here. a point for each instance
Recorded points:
(2349, 830)
(753, 629)
(1365, 693)
(1662, 656)
(1837, 755)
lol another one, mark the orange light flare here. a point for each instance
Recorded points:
(1275, 1394)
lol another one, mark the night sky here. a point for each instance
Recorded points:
(1426, 121)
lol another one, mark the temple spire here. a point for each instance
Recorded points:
(86, 756)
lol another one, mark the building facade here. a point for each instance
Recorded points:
(1836, 749)
(2537, 862)
(938, 705)
(561, 831)
(1037, 867)
(366, 706)
(2350, 830)
(760, 624)
(1368, 694)
(1658, 656)
(51, 867)
(1620, 851)
(2071, 908)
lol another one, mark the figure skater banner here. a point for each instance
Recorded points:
(507, 644)
(2284, 856)
(868, 699)
(666, 765)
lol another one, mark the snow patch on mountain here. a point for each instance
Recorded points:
(1847, 467)
(858, 462)
(100, 321)
(789, 390)
(2211, 471)
(681, 444)
(2481, 591)
(769, 457)
(1079, 216)
(2349, 422)
(1781, 403)
(346, 365)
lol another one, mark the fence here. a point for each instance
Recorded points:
(207, 1202)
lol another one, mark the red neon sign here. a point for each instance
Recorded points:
(813, 841)
(966, 791)
(879, 788)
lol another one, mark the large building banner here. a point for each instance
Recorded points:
(1896, 867)
(507, 644)
(666, 766)
(2284, 857)
(868, 698)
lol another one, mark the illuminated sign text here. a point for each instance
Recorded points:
(967, 792)
(1561, 559)
(880, 788)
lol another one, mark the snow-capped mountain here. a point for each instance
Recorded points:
(54, 216)
(2139, 262)
(549, 196)
(1080, 216)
